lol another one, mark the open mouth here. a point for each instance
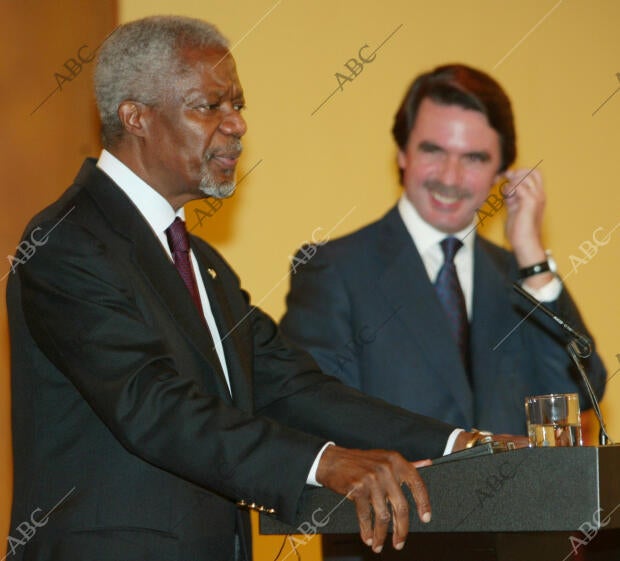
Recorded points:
(445, 194)
(228, 160)
(444, 199)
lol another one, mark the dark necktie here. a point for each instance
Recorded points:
(178, 240)
(451, 297)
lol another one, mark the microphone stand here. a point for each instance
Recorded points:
(579, 347)
(575, 354)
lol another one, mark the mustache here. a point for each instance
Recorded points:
(452, 191)
(232, 149)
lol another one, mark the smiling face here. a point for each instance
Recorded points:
(191, 139)
(450, 164)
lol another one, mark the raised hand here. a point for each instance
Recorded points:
(525, 202)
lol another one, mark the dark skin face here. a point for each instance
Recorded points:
(193, 132)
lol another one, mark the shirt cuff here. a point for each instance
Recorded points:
(451, 441)
(311, 479)
(548, 293)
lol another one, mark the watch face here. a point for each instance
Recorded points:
(553, 266)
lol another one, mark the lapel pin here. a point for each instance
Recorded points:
(212, 273)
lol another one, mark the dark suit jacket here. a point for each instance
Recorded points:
(365, 308)
(119, 395)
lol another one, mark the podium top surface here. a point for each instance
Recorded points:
(526, 490)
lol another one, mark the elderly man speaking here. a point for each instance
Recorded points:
(152, 405)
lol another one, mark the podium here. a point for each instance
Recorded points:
(547, 504)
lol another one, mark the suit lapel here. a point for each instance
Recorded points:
(489, 322)
(237, 359)
(405, 283)
(152, 262)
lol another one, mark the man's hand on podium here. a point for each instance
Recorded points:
(372, 479)
(464, 440)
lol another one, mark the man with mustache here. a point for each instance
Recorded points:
(418, 309)
(368, 308)
(152, 404)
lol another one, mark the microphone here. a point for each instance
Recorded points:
(584, 342)
(580, 346)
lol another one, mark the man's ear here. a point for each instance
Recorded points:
(401, 159)
(134, 117)
(501, 180)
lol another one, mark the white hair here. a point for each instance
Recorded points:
(140, 59)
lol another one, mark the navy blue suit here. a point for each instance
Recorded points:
(366, 310)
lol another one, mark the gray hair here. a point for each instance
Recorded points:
(140, 58)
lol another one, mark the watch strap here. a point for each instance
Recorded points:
(532, 270)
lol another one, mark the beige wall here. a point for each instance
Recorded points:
(335, 169)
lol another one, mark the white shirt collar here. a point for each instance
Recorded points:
(156, 210)
(426, 236)
(427, 240)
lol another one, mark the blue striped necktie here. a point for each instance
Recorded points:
(451, 297)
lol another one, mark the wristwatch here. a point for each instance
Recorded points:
(542, 267)
(479, 437)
